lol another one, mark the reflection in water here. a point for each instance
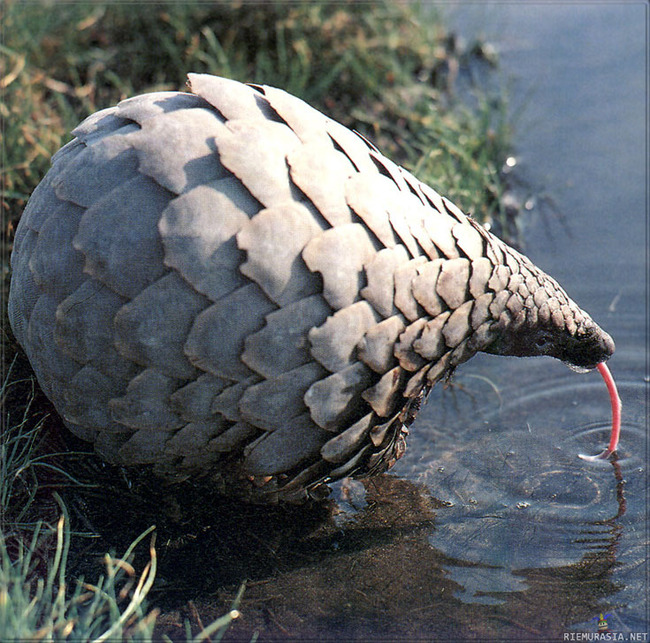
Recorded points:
(519, 505)
(377, 574)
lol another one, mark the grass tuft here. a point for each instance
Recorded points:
(45, 607)
(18, 481)
(34, 607)
(22, 457)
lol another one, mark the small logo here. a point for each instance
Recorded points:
(602, 623)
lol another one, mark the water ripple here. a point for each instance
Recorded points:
(516, 494)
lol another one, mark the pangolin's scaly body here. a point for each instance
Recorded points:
(228, 282)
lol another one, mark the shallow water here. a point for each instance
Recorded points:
(500, 449)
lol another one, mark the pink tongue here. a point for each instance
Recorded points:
(616, 415)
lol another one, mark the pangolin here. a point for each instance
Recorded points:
(229, 283)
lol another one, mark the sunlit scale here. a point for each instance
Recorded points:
(616, 415)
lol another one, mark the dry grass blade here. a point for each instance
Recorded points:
(142, 589)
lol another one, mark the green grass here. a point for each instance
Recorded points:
(386, 69)
(23, 457)
(40, 606)
(43, 606)
(18, 483)
(379, 67)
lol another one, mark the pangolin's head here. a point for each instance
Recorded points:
(583, 348)
(546, 322)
